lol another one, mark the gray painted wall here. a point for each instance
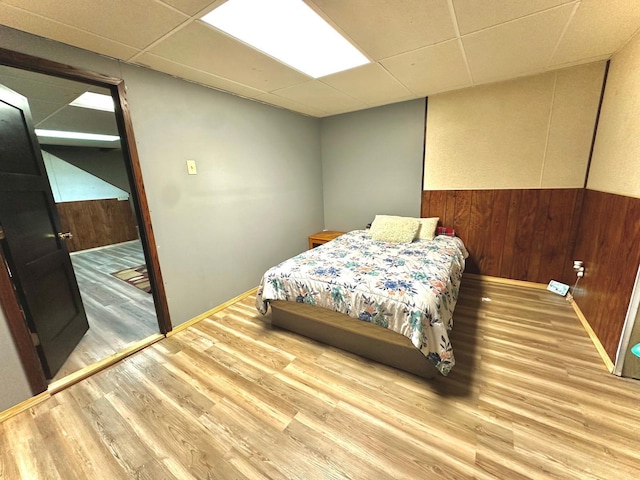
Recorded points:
(256, 198)
(258, 192)
(14, 387)
(262, 176)
(257, 195)
(372, 164)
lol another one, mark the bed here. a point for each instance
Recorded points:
(390, 301)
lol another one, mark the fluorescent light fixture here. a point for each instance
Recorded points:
(76, 135)
(290, 31)
(96, 101)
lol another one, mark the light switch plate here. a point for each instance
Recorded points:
(191, 167)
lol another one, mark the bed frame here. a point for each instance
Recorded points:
(356, 336)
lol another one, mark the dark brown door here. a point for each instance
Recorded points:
(37, 255)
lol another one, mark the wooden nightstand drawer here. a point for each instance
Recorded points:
(321, 238)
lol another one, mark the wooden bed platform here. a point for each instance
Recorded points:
(356, 336)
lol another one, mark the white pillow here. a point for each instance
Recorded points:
(386, 228)
(427, 230)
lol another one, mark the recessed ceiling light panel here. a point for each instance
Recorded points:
(95, 101)
(290, 31)
(76, 135)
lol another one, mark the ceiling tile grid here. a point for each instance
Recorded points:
(114, 19)
(197, 76)
(431, 69)
(382, 29)
(598, 29)
(202, 47)
(44, 27)
(320, 96)
(417, 47)
(369, 83)
(517, 47)
(471, 18)
(193, 7)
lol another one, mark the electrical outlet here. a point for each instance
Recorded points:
(191, 167)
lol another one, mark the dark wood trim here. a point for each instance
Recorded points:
(20, 332)
(595, 127)
(424, 143)
(125, 126)
(48, 67)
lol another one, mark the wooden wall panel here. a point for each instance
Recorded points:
(609, 244)
(520, 234)
(535, 235)
(95, 223)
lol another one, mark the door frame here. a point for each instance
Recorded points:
(8, 301)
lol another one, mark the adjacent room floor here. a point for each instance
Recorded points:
(118, 313)
(233, 398)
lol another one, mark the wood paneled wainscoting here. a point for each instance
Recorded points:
(519, 234)
(95, 223)
(609, 245)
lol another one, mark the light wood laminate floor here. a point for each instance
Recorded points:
(118, 313)
(232, 398)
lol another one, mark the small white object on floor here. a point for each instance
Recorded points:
(486, 299)
(557, 287)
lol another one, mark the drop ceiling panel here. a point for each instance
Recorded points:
(431, 69)
(383, 28)
(472, 17)
(191, 7)
(289, 104)
(167, 66)
(515, 48)
(136, 23)
(46, 94)
(397, 100)
(36, 86)
(48, 98)
(41, 110)
(76, 119)
(317, 95)
(44, 27)
(598, 28)
(421, 47)
(207, 49)
(338, 110)
(370, 84)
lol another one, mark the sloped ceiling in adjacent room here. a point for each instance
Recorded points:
(49, 99)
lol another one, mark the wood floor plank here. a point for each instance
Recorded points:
(118, 314)
(233, 398)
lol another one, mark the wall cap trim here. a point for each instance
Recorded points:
(592, 335)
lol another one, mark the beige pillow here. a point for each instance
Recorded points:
(427, 230)
(386, 228)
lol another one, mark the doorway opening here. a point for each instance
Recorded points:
(119, 312)
(99, 196)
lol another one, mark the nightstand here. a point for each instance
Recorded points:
(321, 238)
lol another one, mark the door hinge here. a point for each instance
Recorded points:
(1, 233)
(35, 339)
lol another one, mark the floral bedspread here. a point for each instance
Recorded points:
(411, 288)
